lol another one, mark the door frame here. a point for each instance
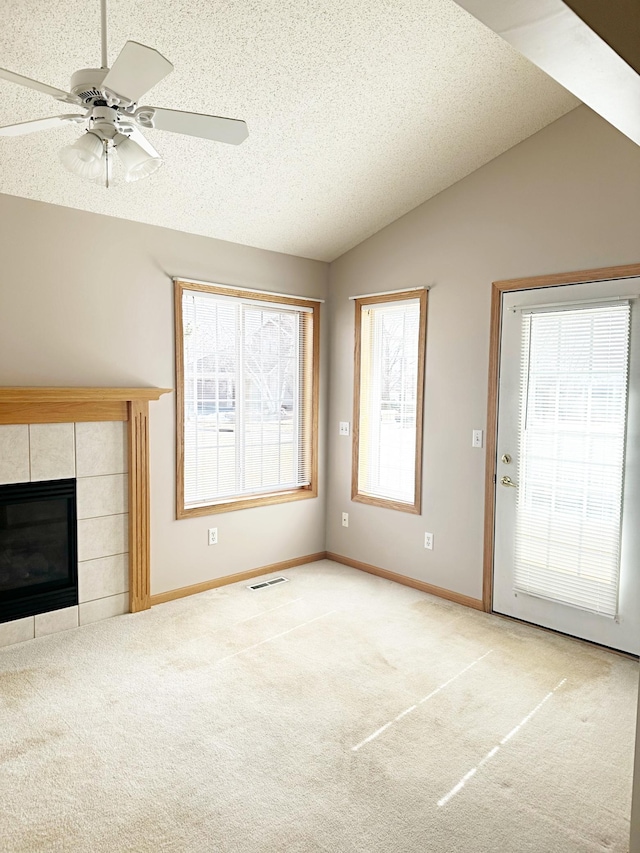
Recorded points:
(497, 289)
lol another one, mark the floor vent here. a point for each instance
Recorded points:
(262, 584)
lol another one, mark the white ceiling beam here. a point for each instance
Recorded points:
(559, 42)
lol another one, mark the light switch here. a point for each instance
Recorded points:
(344, 427)
(476, 440)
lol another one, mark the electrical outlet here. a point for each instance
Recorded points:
(428, 541)
(345, 519)
(213, 536)
(476, 438)
(344, 427)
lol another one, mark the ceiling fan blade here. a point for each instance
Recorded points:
(136, 70)
(231, 130)
(38, 124)
(61, 95)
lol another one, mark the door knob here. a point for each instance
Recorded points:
(507, 481)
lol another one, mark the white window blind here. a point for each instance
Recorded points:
(389, 335)
(247, 411)
(573, 410)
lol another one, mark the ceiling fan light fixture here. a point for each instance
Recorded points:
(137, 162)
(85, 157)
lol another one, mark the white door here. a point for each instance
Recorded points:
(567, 534)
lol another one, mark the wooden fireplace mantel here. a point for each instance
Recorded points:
(61, 405)
(31, 405)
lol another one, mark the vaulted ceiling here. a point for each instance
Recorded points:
(358, 111)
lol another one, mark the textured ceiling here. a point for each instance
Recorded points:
(358, 110)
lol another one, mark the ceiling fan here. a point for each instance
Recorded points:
(108, 98)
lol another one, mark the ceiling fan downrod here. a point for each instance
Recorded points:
(103, 34)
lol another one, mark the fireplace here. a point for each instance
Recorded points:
(42, 431)
(38, 548)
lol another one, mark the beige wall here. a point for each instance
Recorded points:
(88, 300)
(565, 199)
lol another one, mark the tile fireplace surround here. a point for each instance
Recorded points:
(100, 436)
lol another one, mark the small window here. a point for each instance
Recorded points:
(389, 381)
(247, 392)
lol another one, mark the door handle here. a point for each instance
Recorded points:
(507, 481)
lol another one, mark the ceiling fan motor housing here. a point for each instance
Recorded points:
(105, 110)
(86, 84)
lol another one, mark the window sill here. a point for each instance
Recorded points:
(387, 503)
(247, 502)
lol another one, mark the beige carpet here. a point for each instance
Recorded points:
(337, 712)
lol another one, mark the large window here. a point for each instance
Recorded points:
(247, 387)
(389, 380)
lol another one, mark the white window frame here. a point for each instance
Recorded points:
(309, 400)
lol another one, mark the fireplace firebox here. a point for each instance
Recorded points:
(38, 548)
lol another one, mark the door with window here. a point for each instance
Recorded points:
(567, 535)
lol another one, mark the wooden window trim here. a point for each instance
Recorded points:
(311, 391)
(416, 507)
